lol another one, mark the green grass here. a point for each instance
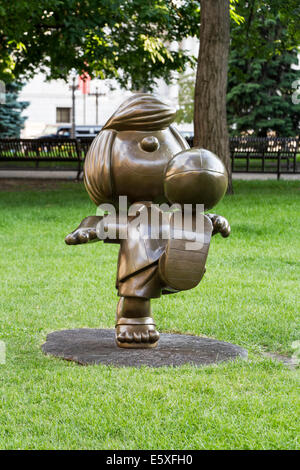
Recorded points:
(249, 296)
(39, 165)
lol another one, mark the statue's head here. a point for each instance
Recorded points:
(130, 154)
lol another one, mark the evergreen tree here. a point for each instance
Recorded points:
(11, 121)
(260, 82)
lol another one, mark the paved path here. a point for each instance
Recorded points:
(71, 175)
(56, 175)
(264, 176)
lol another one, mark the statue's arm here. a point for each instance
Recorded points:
(85, 232)
(220, 225)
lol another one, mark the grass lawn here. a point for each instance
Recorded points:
(249, 296)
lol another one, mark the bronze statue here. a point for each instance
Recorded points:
(141, 155)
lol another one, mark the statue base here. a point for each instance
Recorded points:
(97, 346)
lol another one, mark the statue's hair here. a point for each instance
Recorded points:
(141, 112)
(97, 168)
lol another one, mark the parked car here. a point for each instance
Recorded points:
(64, 132)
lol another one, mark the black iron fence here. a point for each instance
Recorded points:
(50, 154)
(248, 154)
(278, 155)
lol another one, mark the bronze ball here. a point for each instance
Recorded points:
(195, 176)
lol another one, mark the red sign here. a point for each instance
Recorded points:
(84, 83)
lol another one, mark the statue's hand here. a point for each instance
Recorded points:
(85, 232)
(79, 236)
(220, 225)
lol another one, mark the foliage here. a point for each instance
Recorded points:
(186, 81)
(129, 41)
(260, 82)
(186, 84)
(260, 78)
(233, 12)
(11, 121)
(248, 296)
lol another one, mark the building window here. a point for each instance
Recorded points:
(63, 114)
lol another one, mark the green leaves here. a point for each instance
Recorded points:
(126, 40)
(155, 48)
(233, 13)
(260, 74)
(186, 84)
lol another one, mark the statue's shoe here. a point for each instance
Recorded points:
(182, 265)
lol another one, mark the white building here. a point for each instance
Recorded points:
(51, 104)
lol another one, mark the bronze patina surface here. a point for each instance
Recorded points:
(141, 155)
(92, 346)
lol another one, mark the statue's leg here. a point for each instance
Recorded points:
(135, 327)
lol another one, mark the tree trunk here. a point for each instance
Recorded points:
(210, 120)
